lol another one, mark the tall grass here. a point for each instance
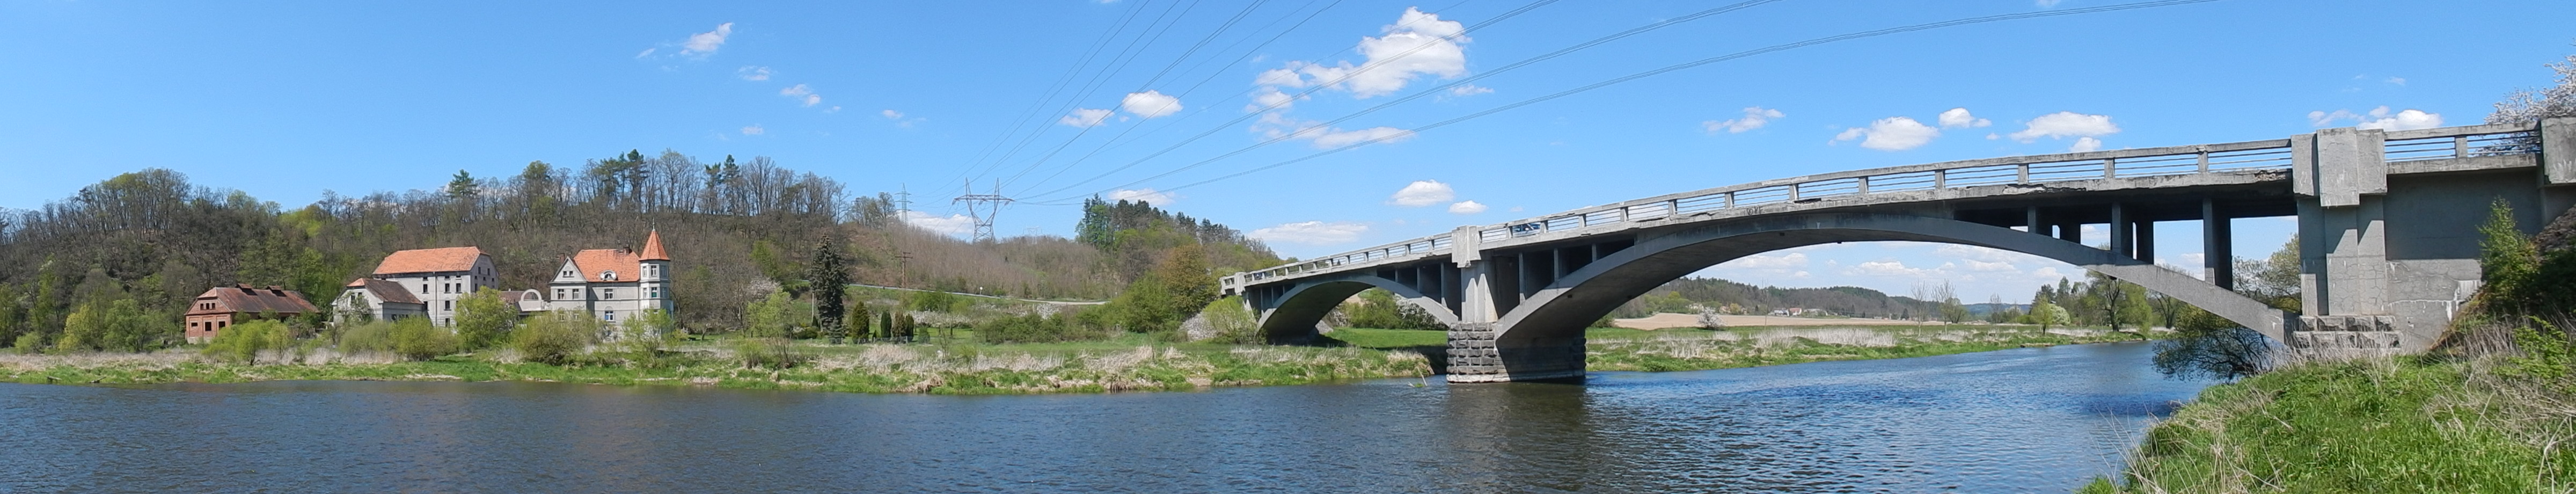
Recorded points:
(2378, 425)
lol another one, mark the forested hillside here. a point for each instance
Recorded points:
(1737, 298)
(736, 229)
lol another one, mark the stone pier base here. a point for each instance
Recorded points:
(1476, 356)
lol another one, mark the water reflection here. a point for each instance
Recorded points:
(2032, 420)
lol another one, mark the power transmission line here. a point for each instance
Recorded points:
(992, 208)
(1311, 90)
(1687, 65)
(1436, 90)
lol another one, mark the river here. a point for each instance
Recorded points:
(2024, 420)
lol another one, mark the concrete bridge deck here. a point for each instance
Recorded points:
(2388, 216)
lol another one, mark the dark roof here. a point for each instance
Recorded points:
(385, 290)
(245, 298)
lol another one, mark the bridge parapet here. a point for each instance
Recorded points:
(2274, 155)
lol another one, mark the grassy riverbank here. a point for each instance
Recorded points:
(1131, 363)
(2410, 424)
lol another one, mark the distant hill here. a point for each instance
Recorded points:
(736, 230)
(1739, 298)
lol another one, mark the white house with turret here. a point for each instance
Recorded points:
(614, 285)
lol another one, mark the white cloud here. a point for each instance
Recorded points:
(891, 114)
(647, 52)
(1423, 193)
(1312, 232)
(1891, 134)
(1085, 117)
(2083, 144)
(1275, 126)
(1976, 265)
(1148, 195)
(2048, 3)
(1270, 98)
(1885, 268)
(754, 130)
(1469, 90)
(2066, 124)
(1466, 207)
(2378, 118)
(953, 224)
(1417, 44)
(1754, 118)
(1759, 261)
(2045, 272)
(1958, 118)
(703, 44)
(753, 73)
(2401, 81)
(802, 94)
(1150, 104)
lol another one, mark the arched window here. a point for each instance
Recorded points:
(608, 275)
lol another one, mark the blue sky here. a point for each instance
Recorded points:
(287, 99)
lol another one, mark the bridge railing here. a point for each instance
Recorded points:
(2234, 157)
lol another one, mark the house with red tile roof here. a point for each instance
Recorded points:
(614, 285)
(223, 306)
(434, 279)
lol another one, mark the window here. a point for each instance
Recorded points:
(607, 293)
(446, 305)
(608, 275)
(654, 292)
(608, 315)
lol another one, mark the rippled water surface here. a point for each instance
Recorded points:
(2029, 420)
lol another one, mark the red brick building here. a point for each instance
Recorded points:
(222, 306)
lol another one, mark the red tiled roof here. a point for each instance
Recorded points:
(594, 261)
(653, 247)
(385, 290)
(244, 298)
(441, 260)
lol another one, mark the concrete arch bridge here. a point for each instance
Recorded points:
(2388, 222)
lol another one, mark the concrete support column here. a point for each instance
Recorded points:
(2030, 222)
(2341, 176)
(2071, 232)
(2123, 244)
(2146, 237)
(2217, 242)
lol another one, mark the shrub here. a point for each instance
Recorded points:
(778, 315)
(243, 342)
(554, 338)
(933, 301)
(415, 339)
(1229, 321)
(370, 336)
(484, 320)
(1033, 328)
(31, 343)
(769, 353)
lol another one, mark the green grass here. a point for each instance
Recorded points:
(2379, 426)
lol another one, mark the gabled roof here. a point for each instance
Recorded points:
(244, 298)
(595, 261)
(442, 260)
(388, 291)
(653, 247)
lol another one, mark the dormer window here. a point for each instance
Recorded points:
(608, 275)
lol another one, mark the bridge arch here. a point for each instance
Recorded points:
(1556, 315)
(1292, 315)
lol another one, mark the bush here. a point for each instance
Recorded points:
(483, 320)
(769, 353)
(1230, 321)
(370, 336)
(776, 316)
(555, 338)
(415, 339)
(933, 301)
(2207, 346)
(1033, 328)
(31, 343)
(243, 342)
